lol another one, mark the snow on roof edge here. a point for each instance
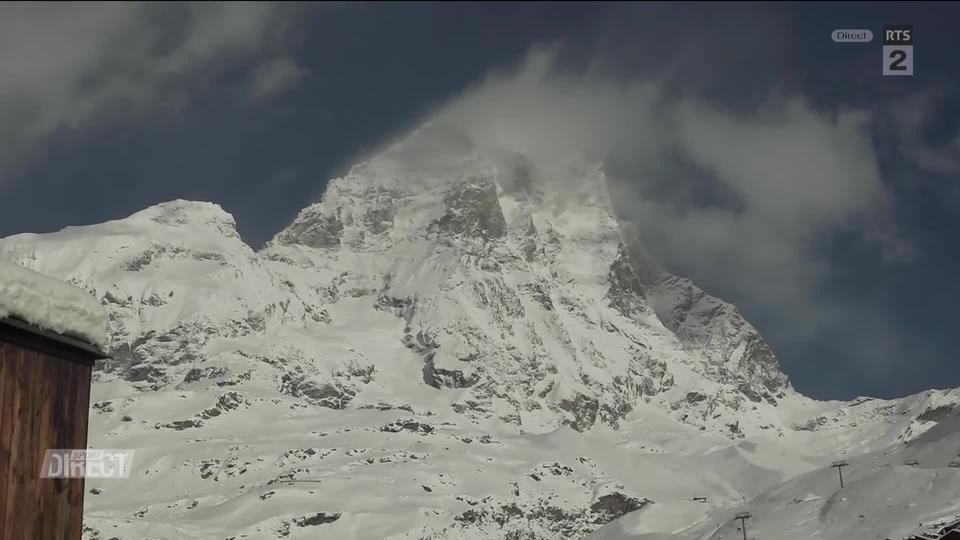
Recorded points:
(51, 304)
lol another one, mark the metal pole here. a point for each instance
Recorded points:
(743, 517)
(839, 465)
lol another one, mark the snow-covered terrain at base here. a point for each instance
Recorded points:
(468, 353)
(901, 491)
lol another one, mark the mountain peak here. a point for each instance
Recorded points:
(182, 212)
(494, 262)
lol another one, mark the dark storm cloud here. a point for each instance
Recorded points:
(928, 128)
(63, 66)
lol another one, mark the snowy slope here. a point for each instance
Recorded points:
(455, 352)
(888, 494)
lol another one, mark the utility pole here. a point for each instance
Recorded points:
(839, 465)
(743, 517)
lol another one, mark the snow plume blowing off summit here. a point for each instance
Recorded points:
(733, 197)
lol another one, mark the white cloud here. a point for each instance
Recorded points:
(797, 176)
(64, 65)
(274, 77)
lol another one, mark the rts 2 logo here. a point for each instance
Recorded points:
(898, 50)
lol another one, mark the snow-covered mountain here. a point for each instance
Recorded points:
(468, 351)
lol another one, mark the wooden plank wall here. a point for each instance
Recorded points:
(43, 405)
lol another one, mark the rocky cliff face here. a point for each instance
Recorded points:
(477, 347)
(528, 300)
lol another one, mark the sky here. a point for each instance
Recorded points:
(776, 168)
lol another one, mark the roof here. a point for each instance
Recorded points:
(51, 304)
(29, 336)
